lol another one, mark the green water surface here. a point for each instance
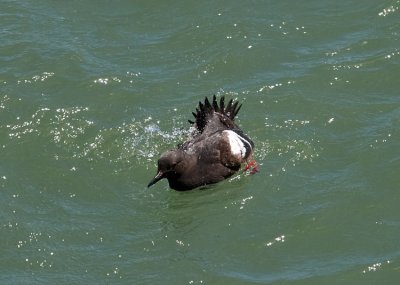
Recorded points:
(91, 92)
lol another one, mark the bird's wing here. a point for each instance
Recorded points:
(211, 117)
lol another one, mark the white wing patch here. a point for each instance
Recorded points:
(237, 143)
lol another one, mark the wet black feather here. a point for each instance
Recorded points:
(205, 112)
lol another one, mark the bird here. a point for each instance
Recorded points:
(215, 149)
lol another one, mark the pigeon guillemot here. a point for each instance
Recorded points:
(214, 151)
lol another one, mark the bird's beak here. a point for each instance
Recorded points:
(158, 177)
